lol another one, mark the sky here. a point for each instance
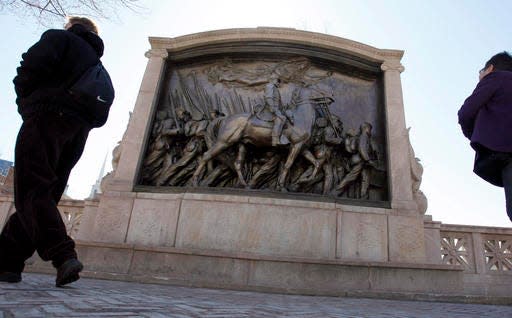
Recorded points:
(445, 44)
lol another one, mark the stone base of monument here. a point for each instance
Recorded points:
(274, 245)
(248, 271)
(251, 272)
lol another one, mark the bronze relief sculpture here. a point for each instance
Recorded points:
(272, 124)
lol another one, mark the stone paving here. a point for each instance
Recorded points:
(36, 296)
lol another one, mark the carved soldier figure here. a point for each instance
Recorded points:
(360, 146)
(215, 116)
(324, 138)
(274, 104)
(157, 145)
(196, 130)
(266, 169)
(160, 153)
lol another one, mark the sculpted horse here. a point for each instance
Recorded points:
(245, 128)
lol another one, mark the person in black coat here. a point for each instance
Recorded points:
(49, 144)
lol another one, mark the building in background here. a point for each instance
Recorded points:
(6, 177)
(5, 166)
(96, 188)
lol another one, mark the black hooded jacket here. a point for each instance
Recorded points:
(51, 65)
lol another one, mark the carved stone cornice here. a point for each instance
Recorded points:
(161, 53)
(392, 66)
(280, 35)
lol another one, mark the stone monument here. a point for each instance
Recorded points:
(273, 159)
(273, 142)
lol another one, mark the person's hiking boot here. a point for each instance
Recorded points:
(68, 272)
(10, 277)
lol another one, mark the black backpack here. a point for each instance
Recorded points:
(94, 94)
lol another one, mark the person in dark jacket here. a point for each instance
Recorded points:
(49, 144)
(486, 120)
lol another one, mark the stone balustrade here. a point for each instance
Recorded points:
(70, 210)
(478, 249)
(485, 254)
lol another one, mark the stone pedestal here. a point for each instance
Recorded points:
(263, 226)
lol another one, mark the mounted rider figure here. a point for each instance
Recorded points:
(274, 104)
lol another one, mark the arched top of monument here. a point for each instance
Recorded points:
(273, 38)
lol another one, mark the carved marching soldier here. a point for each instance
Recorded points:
(160, 154)
(196, 130)
(158, 147)
(274, 104)
(324, 138)
(215, 116)
(267, 168)
(360, 146)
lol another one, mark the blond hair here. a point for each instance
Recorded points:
(89, 24)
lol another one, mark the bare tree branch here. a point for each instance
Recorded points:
(61, 9)
(38, 6)
(48, 11)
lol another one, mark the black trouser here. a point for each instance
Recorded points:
(506, 175)
(496, 168)
(47, 148)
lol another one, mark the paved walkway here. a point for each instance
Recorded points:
(36, 296)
